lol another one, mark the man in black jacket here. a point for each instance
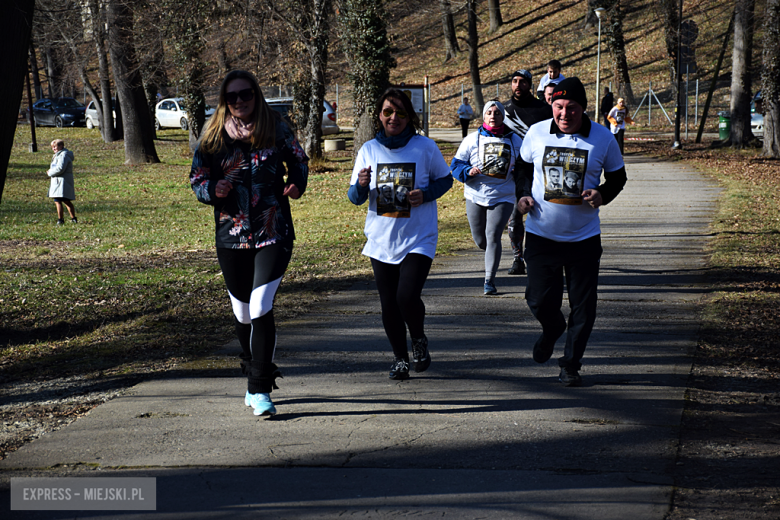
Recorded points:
(522, 111)
(607, 102)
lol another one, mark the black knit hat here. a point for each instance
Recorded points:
(572, 89)
(523, 74)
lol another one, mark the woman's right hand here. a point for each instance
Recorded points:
(474, 171)
(223, 188)
(364, 177)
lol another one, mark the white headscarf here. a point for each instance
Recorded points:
(494, 104)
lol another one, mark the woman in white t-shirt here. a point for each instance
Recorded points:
(485, 163)
(401, 174)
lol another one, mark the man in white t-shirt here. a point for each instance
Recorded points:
(563, 235)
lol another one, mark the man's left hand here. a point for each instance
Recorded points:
(592, 197)
(291, 190)
(415, 198)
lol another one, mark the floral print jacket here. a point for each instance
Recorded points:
(255, 213)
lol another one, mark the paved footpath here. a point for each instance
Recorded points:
(484, 433)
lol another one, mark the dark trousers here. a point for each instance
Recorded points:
(548, 262)
(619, 137)
(464, 125)
(400, 287)
(516, 233)
(245, 271)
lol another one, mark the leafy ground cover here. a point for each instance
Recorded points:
(728, 451)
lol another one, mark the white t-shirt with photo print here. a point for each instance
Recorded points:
(393, 228)
(564, 166)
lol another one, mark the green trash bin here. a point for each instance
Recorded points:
(724, 125)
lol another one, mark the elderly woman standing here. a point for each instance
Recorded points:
(401, 174)
(485, 163)
(239, 169)
(61, 188)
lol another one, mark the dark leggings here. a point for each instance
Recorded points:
(252, 277)
(400, 287)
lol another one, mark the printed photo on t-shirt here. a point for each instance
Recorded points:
(393, 184)
(564, 174)
(495, 159)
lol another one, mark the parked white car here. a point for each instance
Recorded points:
(170, 113)
(284, 106)
(91, 115)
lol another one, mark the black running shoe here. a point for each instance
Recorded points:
(399, 369)
(421, 356)
(518, 267)
(570, 377)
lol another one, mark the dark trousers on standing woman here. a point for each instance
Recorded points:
(400, 287)
(252, 277)
(548, 262)
(464, 126)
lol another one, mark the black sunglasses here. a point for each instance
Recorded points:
(246, 95)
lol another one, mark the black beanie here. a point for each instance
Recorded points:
(571, 88)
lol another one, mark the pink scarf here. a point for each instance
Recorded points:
(238, 130)
(498, 130)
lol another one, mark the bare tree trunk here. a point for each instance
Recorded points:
(15, 28)
(770, 84)
(740, 74)
(451, 48)
(107, 130)
(494, 8)
(617, 48)
(36, 78)
(476, 82)
(51, 72)
(670, 19)
(139, 145)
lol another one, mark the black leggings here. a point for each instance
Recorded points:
(400, 287)
(252, 277)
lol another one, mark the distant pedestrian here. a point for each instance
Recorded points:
(553, 76)
(522, 111)
(564, 231)
(239, 168)
(618, 117)
(485, 163)
(465, 114)
(401, 232)
(607, 102)
(61, 186)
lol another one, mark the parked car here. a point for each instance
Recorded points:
(59, 112)
(170, 113)
(91, 115)
(756, 115)
(284, 107)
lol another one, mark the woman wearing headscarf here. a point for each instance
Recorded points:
(485, 163)
(401, 174)
(239, 169)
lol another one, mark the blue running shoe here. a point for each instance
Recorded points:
(262, 404)
(248, 399)
(490, 288)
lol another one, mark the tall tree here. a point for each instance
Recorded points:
(309, 22)
(770, 79)
(668, 12)
(136, 120)
(36, 81)
(15, 28)
(496, 21)
(741, 133)
(451, 48)
(476, 82)
(367, 47)
(97, 26)
(617, 49)
(186, 22)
